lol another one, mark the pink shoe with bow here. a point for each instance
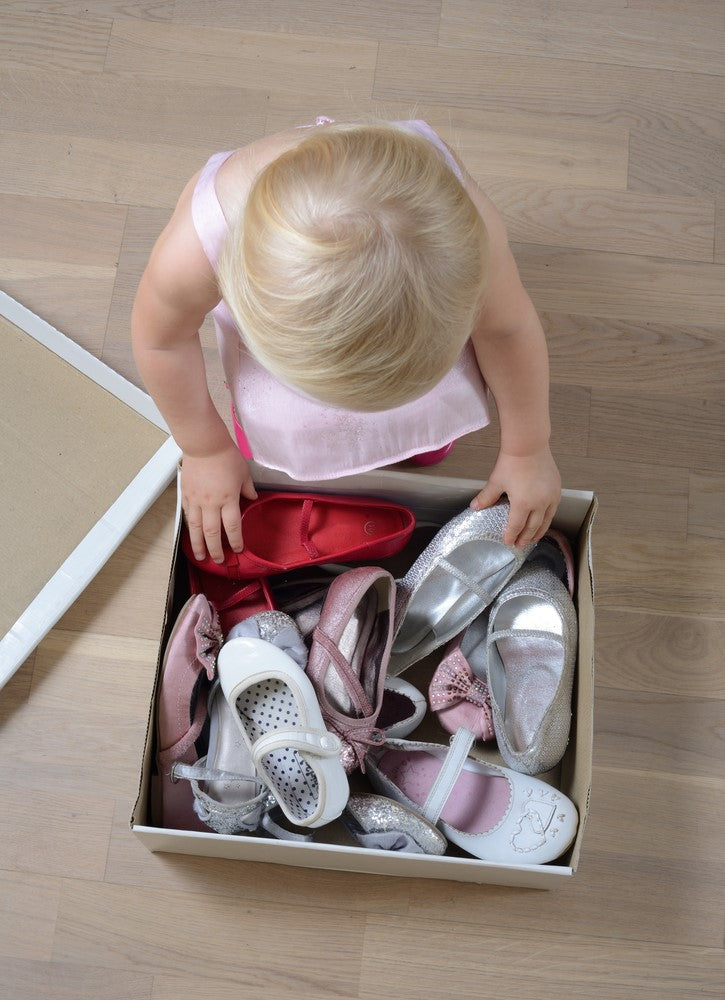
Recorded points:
(349, 656)
(457, 692)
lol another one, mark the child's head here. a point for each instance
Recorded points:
(357, 268)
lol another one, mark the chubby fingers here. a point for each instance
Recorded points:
(526, 526)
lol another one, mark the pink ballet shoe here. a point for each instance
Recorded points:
(181, 709)
(349, 657)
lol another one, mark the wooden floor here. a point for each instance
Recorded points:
(597, 128)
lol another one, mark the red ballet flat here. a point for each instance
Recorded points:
(283, 531)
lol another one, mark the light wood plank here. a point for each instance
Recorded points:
(611, 285)
(673, 734)
(99, 925)
(404, 954)
(684, 815)
(596, 219)
(77, 44)
(656, 573)
(635, 498)
(719, 253)
(38, 228)
(28, 915)
(131, 864)
(678, 655)
(590, 91)
(408, 20)
(26, 980)
(640, 891)
(65, 981)
(121, 108)
(148, 10)
(675, 161)
(39, 832)
(659, 429)
(706, 515)
(635, 355)
(98, 170)
(241, 58)
(628, 34)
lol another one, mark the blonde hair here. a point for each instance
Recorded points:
(357, 267)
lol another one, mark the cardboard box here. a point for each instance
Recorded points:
(433, 499)
(78, 433)
(84, 454)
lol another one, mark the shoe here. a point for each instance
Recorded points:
(274, 705)
(187, 671)
(234, 601)
(349, 656)
(382, 824)
(403, 708)
(433, 457)
(493, 813)
(229, 798)
(285, 530)
(457, 693)
(532, 647)
(455, 578)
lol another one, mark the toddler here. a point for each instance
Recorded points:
(365, 299)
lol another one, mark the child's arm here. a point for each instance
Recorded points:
(177, 290)
(511, 351)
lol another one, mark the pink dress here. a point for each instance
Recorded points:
(287, 430)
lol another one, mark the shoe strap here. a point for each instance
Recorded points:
(447, 777)
(307, 544)
(353, 687)
(317, 742)
(279, 832)
(524, 633)
(199, 772)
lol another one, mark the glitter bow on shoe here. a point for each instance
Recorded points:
(459, 698)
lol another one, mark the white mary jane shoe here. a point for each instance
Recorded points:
(275, 707)
(493, 813)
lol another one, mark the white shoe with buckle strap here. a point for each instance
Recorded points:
(275, 707)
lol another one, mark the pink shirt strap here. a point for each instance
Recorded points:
(206, 212)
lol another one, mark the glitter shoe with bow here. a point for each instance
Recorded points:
(457, 693)
(349, 657)
(455, 578)
(494, 813)
(187, 671)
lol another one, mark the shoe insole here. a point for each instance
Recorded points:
(525, 672)
(228, 752)
(443, 602)
(271, 705)
(356, 647)
(477, 803)
(273, 528)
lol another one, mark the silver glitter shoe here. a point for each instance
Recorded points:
(228, 796)
(532, 647)
(458, 575)
(382, 824)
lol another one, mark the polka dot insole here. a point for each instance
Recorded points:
(263, 708)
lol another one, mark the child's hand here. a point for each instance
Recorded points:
(210, 489)
(533, 486)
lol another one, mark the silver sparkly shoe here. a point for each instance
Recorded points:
(532, 647)
(458, 575)
(380, 823)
